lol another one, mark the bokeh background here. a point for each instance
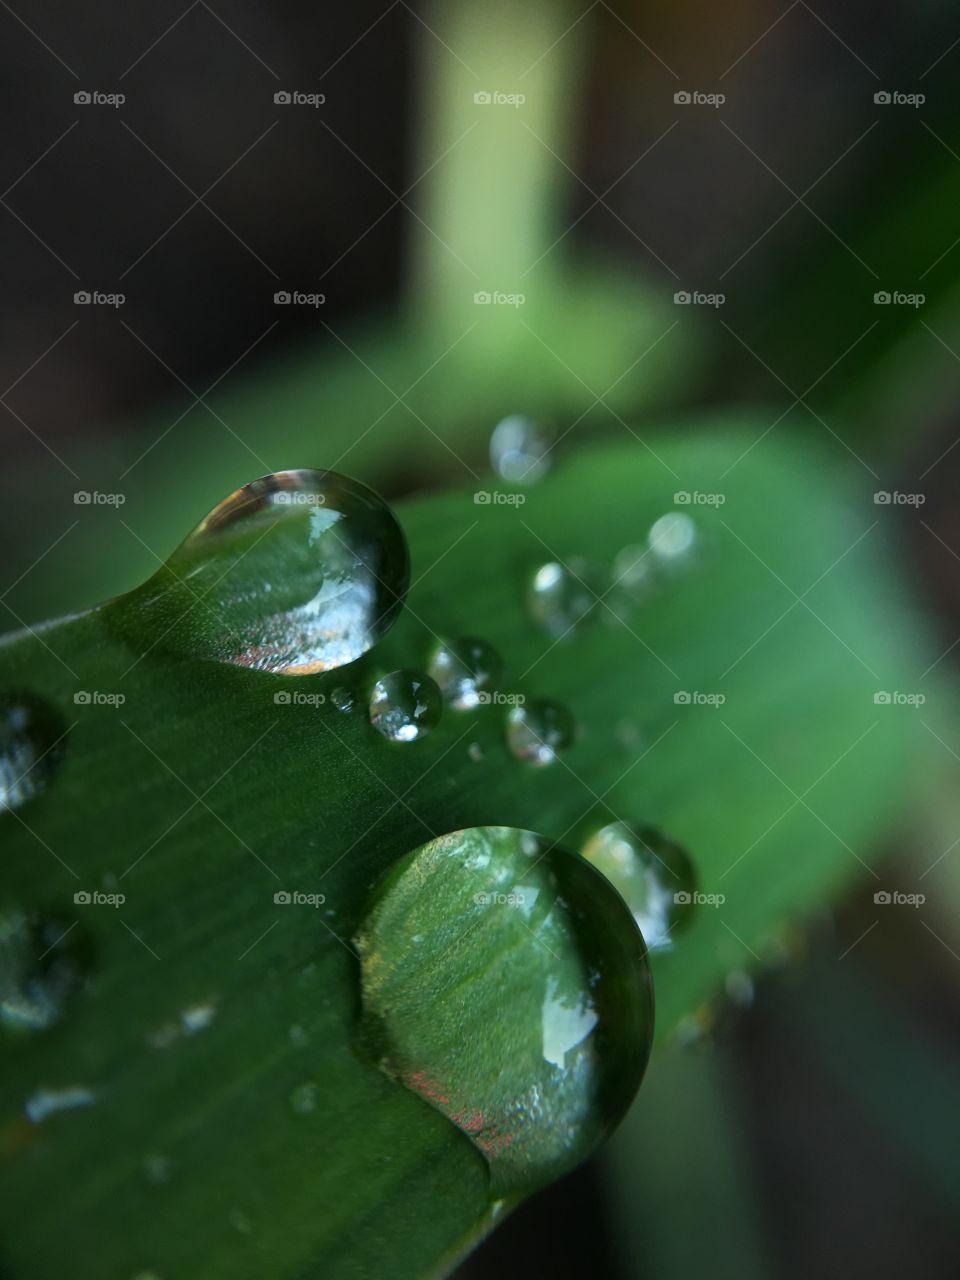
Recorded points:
(799, 161)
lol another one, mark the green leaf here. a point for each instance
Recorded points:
(232, 1130)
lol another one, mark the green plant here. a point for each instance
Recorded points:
(231, 1128)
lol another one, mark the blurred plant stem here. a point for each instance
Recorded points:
(500, 84)
(679, 1176)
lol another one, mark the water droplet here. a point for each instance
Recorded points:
(520, 449)
(240, 1222)
(654, 876)
(46, 1102)
(42, 963)
(342, 699)
(475, 752)
(634, 571)
(525, 1013)
(297, 572)
(562, 596)
(303, 1099)
(539, 731)
(671, 539)
(405, 705)
(464, 670)
(157, 1168)
(32, 741)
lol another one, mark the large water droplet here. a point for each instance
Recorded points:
(520, 449)
(405, 705)
(672, 538)
(539, 731)
(465, 670)
(297, 572)
(654, 876)
(32, 742)
(562, 596)
(43, 961)
(525, 1012)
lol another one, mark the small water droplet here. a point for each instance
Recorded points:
(47, 1102)
(296, 573)
(539, 731)
(240, 1222)
(342, 699)
(740, 988)
(524, 1014)
(32, 742)
(303, 1099)
(157, 1168)
(520, 449)
(634, 571)
(43, 962)
(654, 876)
(464, 670)
(561, 597)
(475, 752)
(405, 705)
(671, 539)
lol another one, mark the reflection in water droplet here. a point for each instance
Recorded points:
(32, 741)
(464, 670)
(672, 538)
(42, 963)
(539, 731)
(342, 699)
(297, 572)
(525, 1012)
(520, 449)
(303, 1099)
(654, 876)
(405, 705)
(562, 597)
